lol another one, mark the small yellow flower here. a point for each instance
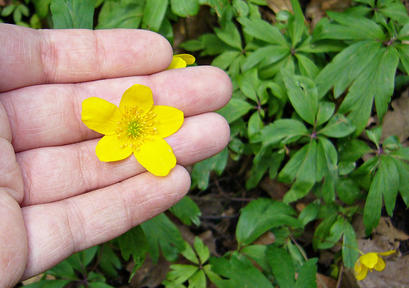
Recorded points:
(137, 126)
(370, 261)
(181, 61)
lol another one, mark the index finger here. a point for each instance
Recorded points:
(30, 57)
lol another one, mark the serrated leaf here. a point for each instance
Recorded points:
(235, 109)
(282, 266)
(261, 215)
(339, 126)
(154, 13)
(239, 272)
(284, 130)
(134, 243)
(229, 35)
(189, 254)
(187, 211)
(68, 14)
(307, 275)
(120, 14)
(350, 249)
(303, 96)
(198, 280)
(270, 54)
(262, 30)
(224, 60)
(375, 135)
(201, 250)
(201, 170)
(161, 232)
(264, 160)
(179, 273)
(109, 261)
(184, 8)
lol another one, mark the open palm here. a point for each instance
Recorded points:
(56, 197)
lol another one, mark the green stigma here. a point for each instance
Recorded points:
(134, 129)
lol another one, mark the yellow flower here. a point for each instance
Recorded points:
(181, 61)
(137, 127)
(370, 261)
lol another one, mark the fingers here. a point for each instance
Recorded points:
(56, 173)
(31, 57)
(58, 229)
(50, 115)
(13, 239)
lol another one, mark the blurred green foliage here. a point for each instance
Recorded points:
(300, 107)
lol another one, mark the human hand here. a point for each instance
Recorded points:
(56, 197)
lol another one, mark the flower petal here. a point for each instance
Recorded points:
(100, 115)
(387, 253)
(369, 259)
(176, 63)
(380, 265)
(189, 59)
(109, 149)
(139, 96)
(168, 120)
(360, 271)
(156, 156)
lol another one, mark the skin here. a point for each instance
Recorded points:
(56, 198)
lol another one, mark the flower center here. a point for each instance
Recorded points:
(136, 127)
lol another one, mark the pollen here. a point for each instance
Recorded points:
(136, 126)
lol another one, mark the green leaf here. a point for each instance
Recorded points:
(99, 285)
(257, 253)
(179, 273)
(120, 14)
(41, 7)
(109, 261)
(377, 80)
(265, 160)
(229, 35)
(396, 11)
(296, 24)
(346, 67)
(161, 232)
(261, 215)
(239, 272)
(154, 13)
(184, 8)
(63, 269)
(335, 232)
(198, 280)
(282, 266)
(189, 254)
(262, 30)
(375, 135)
(347, 191)
(303, 96)
(6, 11)
(402, 153)
(404, 56)
(307, 66)
(134, 243)
(309, 213)
(298, 190)
(235, 109)
(241, 7)
(201, 250)
(351, 27)
(350, 249)
(307, 275)
(352, 150)
(386, 183)
(201, 171)
(283, 130)
(322, 231)
(255, 124)
(187, 211)
(325, 111)
(301, 166)
(269, 54)
(68, 14)
(224, 60)
(403, 169)
(337, 127)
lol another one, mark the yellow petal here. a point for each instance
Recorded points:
(168, 120)
(380, 265)
(156, 156)
(176, 63)
(369, 259)
(387, 253)
(109, 149)
(100, 115)
(360, 271)
(189, 59)
(139, 96)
